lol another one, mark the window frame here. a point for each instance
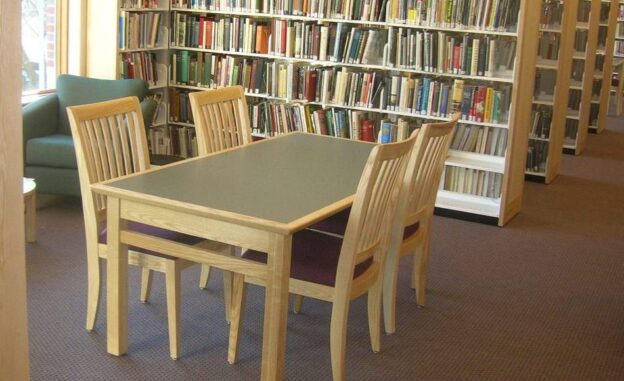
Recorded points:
(62, 57)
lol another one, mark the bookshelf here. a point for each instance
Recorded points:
(618, 49)
(318, 76)
(369, 73)
(551, 94)
(582, 78)
(143, 53)
(601, 89)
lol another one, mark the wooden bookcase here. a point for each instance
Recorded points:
(287, 106)
(550, 100)
(618, 49)
(604, 65)
(143, 53)
(583, 61)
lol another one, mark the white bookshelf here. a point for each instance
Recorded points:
(583, 67)
(550, 100)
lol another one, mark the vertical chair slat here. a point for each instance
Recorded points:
(119, 162)
(125, 148)
(221, 118)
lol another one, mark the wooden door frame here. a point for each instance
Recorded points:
(14, 361)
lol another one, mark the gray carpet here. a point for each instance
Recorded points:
(542, 298)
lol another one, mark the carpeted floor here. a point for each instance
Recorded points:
(542, 298)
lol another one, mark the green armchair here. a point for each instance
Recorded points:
(49, 155)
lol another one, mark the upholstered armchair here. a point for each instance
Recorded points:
(49, 155)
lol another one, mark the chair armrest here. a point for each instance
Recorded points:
(148, 108)
(40, 118)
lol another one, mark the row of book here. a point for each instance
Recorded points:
(407, 48)
(619, 47)
(482, 14)
(180, 106)
(472, 181)
(552, 14)
(451, 53)
(544, 87)
(549, 44)
(580, 40)
(269, 119)
(153, 4)
(173, 140)
(480, 139)
(140, 30)
(537, 155)
(140, 65)
(541, 119)
(570, 131)
(343, 86)
(574, 100)
(498, 15)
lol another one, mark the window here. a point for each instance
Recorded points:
(41, 61)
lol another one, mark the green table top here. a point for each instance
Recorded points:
(281, 179)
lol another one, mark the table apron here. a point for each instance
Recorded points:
(195, 225)
(197, 254)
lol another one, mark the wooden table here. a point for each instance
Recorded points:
(256, 197)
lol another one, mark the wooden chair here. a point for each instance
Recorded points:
(412, 228)
(221, 122)
(109, 138)
(221, 119)
(339, 270)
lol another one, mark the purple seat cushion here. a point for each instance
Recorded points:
(314, 258)
(337, 224)
(156, 232)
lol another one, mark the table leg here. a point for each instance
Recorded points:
(30, 206)
(276, 308)
(116, 282)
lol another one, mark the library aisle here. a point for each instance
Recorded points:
(541, 298)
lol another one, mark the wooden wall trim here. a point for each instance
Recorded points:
(14, 364)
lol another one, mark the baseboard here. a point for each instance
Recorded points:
(465, 216)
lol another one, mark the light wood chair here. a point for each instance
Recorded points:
(411, 230)
(339, 270)
(109, 138)
(221, 119)
(221, 122)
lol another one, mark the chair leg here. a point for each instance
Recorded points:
(338, 337)
(93, 287)
(227, 287)
(172, 283)
(239, 290)
(297, 304)
(146, 284)
(390, 280)
(374, 314)
(204, 276)
(227, 294)
(419, 278)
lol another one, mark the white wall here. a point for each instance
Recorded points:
(101, 56)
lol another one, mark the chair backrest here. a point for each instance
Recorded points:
(73, 90)
(109, 139)
(373, 207)
(424, 170)
(221, 119)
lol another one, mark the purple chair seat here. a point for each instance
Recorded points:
(314, 258)
(156, 232)
(337, 224)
